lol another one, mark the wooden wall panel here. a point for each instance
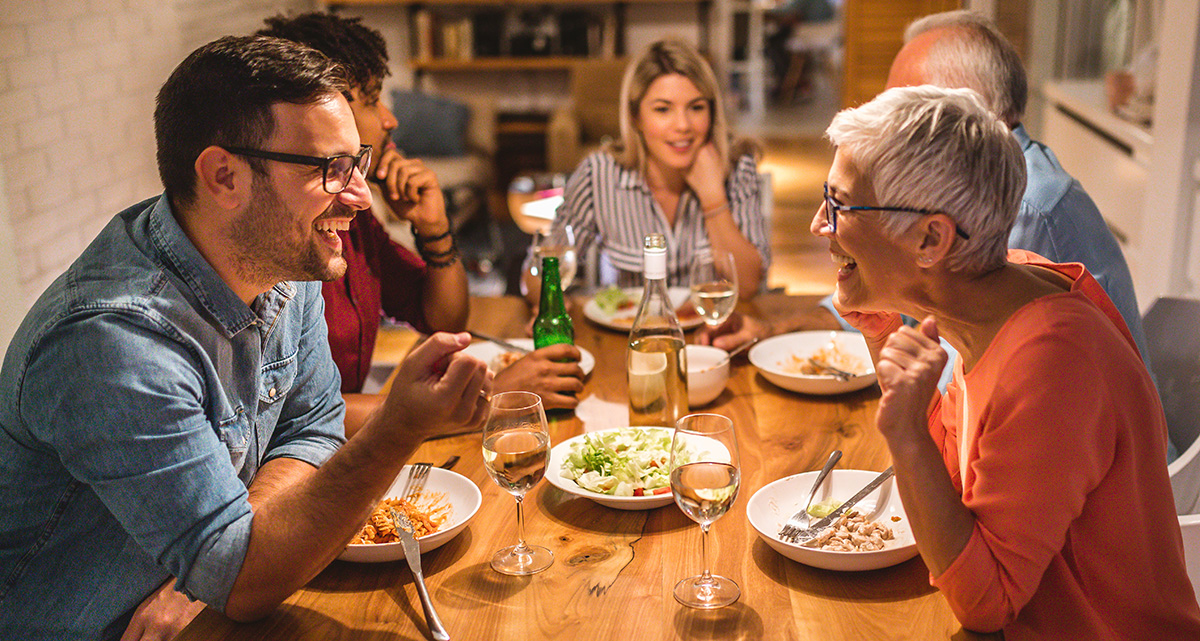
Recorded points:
(874, 34)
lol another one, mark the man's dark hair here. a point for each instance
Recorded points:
(358, 48)
(222, 94)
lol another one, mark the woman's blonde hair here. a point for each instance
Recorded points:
(665, 57)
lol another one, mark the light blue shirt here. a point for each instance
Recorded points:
(137, 401)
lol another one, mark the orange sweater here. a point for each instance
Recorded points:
(1076, 535)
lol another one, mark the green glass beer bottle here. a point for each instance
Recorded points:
(552, 325)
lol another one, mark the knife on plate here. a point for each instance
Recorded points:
(807, 534)
(501, 342)
(412, 554)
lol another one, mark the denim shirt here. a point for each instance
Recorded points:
(137, 401)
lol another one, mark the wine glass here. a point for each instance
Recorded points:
(551, 241)
(516, 446)
(704, 479)
(713, 280)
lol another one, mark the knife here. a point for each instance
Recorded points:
(501, 342)
(811, 533)
(412, 554)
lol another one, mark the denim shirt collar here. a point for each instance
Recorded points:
(210, 290)
(1022, 136)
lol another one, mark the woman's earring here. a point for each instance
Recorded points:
(925, 260)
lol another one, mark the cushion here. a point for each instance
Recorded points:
(429, 125)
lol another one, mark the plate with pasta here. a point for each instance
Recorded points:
(448, 502)
(794, 361)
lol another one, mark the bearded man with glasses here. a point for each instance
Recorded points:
(170, 422)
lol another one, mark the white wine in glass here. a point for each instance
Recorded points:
(713, 279)
(705, 477)
(516, 447)
(559, 243)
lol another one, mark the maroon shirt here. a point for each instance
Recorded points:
(382, 277)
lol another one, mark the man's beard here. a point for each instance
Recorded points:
(269, 248)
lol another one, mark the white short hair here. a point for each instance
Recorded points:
(941, 150)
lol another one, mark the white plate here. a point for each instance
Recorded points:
(623, 319)
(559, 453)
(773, 355)
(464, 499)
(487, 350)
(771, 506)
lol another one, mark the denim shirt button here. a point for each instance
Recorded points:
(271, 392)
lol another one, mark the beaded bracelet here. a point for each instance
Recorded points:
(422, 240)
(441, 264)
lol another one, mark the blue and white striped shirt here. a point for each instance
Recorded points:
(612, 206)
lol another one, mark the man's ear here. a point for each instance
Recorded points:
(936, 240)
(223, 177)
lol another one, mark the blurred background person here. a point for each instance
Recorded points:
(676, 171)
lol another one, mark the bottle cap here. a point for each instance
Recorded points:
(654, 256)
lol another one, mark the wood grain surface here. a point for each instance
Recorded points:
(614, 570)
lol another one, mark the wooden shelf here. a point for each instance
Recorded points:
(506, 63)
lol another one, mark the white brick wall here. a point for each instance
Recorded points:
(77, 86)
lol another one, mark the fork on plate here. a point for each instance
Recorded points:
(415, 483)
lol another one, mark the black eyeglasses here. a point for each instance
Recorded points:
(832, 209)
(335, 170)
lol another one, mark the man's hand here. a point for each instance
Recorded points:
(411, 189)
(162, 615)
(733, 333)
(910, 364)
(437, 389)
(539, 372)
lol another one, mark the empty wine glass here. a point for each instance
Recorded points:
(713, 279)
(705, 476)
(516, 446)
(551, 241)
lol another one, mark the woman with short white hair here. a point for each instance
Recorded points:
(1035, 486)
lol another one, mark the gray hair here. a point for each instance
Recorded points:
(976, 56)
(941, 150)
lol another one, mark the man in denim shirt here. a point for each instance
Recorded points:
(169, 414)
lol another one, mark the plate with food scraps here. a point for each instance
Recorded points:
(787, 361)
(626, 468)
(448, 502)
(498, 358)
(615, 308)
(774, 503)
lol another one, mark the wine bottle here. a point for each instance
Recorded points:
(553, 324)
(656, 361)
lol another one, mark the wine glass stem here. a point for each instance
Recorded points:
(520, 526)
(705, 576)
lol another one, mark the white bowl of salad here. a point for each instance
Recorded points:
(623, 467)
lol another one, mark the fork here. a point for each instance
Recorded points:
(415, 483)
(793, 530)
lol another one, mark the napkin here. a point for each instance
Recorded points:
(599, 414)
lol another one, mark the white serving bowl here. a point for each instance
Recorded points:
(774, 503)
(774, 358)
(464, 498)
(707, 372)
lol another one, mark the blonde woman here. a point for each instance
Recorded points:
(676, 171)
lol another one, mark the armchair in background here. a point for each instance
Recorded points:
(589, 118)
(457, 140)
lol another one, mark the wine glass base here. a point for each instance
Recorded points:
(717, 592)
(522, 562)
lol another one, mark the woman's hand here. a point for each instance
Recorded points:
(706, 177)
(909, 366)
(545, 373)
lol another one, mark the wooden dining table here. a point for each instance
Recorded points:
(614, 570)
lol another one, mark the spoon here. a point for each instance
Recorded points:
(834, 457)
(737, 350)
